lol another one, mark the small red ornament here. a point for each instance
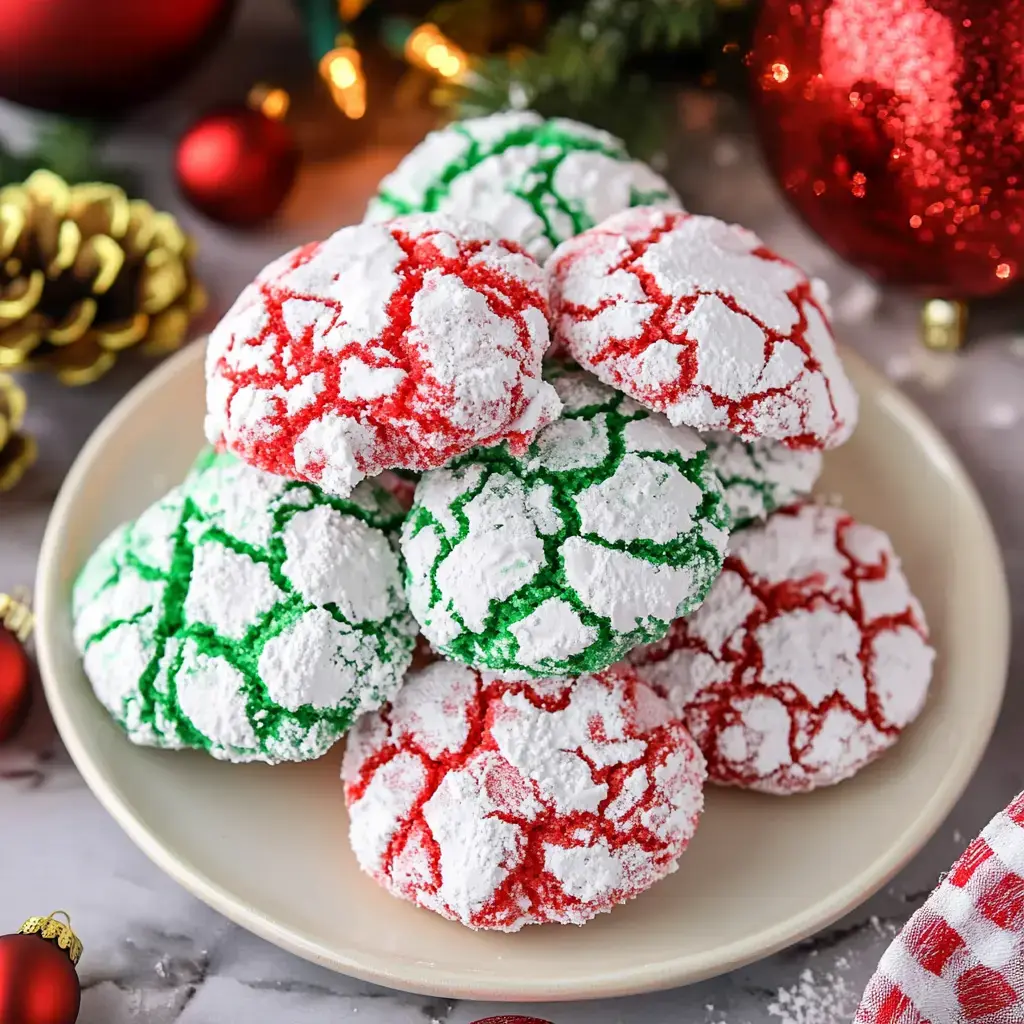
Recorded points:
(96, 57)
(15, 680)
(38, 981)
(511, 1020)
(237, 165)
(894, 127)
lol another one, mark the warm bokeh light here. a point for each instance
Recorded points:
(342, 70)
(780, 72)
(430, 49)
(349, 10)
(1003, 271)
(270, 101)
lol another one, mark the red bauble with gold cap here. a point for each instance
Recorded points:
(38, 980)
(895, 129)
(237, 165)
(14, 687)
(15, 677)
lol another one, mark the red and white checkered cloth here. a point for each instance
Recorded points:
(960, 958)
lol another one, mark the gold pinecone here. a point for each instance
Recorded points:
(86, 272)
(17, 451)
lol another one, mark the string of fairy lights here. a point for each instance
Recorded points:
(333, 45)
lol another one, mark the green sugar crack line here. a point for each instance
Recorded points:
(760, 476)
(247, 615)
(538, 182)
(559, 562)
(593, 647)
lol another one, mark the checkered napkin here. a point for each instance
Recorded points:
(960, 958)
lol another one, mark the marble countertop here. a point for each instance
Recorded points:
(153, 952)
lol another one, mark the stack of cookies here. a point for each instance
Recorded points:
(538, 428)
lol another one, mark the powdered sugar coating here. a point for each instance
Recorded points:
(701, 321)
(245, 614)
(558, 561)
(386, 346)
(807, 660)
(500, 804)
(761, 476)
(537, 182)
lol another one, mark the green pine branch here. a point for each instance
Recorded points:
(581, 65)
(68, 148)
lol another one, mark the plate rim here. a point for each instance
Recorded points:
(420, 978)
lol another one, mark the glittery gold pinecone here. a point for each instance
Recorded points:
(86, 272)
(17, 451)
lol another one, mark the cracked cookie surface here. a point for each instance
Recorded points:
(500, 804)
(247, 615)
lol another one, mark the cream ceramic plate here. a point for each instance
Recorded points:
(267, 846)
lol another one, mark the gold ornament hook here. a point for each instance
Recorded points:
(55, 931)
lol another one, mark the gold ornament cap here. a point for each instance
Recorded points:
(55, 931)
(944, 324)
(16, 615)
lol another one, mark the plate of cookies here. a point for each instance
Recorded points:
(520, 596)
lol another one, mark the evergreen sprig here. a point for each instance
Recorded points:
(69, 149)
(581, 69)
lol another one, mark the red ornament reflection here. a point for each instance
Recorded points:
(896, 128)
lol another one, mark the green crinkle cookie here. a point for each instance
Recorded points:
(760, 476)
(538, 182)
(246, 614)
(557, 563)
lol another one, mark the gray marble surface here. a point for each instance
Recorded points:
(156, 954)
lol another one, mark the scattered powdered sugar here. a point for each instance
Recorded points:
(386, 346)
(698, 319)
(537, 182)
(815, 999)
(252, 619)
(760, 476)
(807, 660)
(499, 804)
(558, 562)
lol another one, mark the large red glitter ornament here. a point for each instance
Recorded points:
(237, 165)
(896, 128)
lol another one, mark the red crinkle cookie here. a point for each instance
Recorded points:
(698, 319)
(806, 661)
(500, 804)
(393, 345)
